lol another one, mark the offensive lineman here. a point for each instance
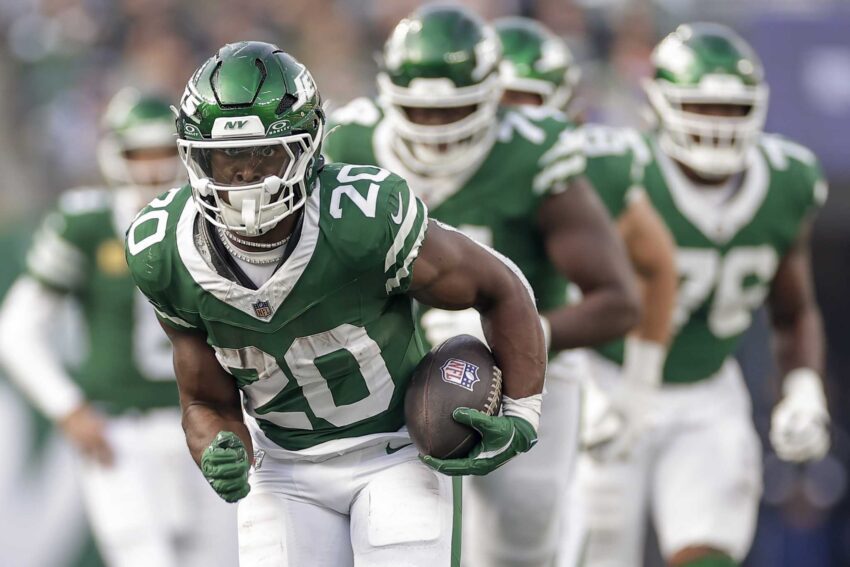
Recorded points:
(538, 69)
(292, 280)
(509, 178)
(739, 204)
(119, 408)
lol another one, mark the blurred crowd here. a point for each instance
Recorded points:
(61, 60)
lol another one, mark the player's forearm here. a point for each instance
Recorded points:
(799, 341)
(28, 357)
(658, 292)
(601, 316)
(202, 422)
(513, 330)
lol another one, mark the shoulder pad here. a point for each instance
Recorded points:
(799, 165)
(372, 219)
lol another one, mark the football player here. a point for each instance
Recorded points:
(538, 69)
(510, 178)
(292, 280)
(739, 204)
(119, 407)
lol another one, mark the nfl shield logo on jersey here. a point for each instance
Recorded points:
(460, 373)
(263, 309)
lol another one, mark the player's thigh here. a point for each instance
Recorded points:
(120, 502)
(407, 515)
(277, 531)
(707, 486)
(512, 515)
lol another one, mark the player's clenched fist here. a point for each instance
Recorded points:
(225, 465)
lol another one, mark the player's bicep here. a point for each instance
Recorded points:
(454, 272)
(200, 377)
(580, 238)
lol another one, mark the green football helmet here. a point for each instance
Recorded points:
(250, 133)
(707, 64)
(536, 61)
(138, 144)
(441, 57)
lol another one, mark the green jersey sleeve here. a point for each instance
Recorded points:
(615, 158)
(64, 244)
(350, 131)
(151, 252)
(376, 222)
(554, 139)
(800, 170)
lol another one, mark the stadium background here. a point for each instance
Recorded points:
(60, 60)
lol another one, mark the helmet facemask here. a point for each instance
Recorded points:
(714, 146)
(247, 186)
(144, 157)
(447, 148)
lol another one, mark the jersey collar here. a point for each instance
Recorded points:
(719, 223)
(275, 290)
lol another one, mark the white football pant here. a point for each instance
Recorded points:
(153, 505)
(511, 517)
(377, 506)
(698, 469)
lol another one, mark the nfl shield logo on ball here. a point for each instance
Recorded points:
(460, 373)
(263, 309)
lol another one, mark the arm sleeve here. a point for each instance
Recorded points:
(27, 353)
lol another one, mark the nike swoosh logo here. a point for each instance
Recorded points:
(391, 450)
(397, 217)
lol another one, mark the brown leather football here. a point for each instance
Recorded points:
(461, 372)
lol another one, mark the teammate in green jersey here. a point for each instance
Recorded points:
(509, 178)
(119, 405)
(293, 280)
(538, 69)
(739, 204)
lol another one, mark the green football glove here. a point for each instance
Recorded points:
(502, 439)
(225, 465)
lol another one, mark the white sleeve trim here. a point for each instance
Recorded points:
(404, 231)
(26, 353)
(176, 320)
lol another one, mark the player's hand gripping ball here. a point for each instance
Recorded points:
(460, 373)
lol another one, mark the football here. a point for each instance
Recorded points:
(461, 372)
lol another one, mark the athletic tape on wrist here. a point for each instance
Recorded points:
(527, 408)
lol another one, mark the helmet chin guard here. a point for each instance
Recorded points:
(250, 209)
(713, 146)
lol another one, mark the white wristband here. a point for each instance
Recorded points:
(804, 383)
(643, 361)
(527, 408)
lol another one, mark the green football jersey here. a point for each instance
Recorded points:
(322, 351)
(728, 247)
(535, 154)
(78, 250)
